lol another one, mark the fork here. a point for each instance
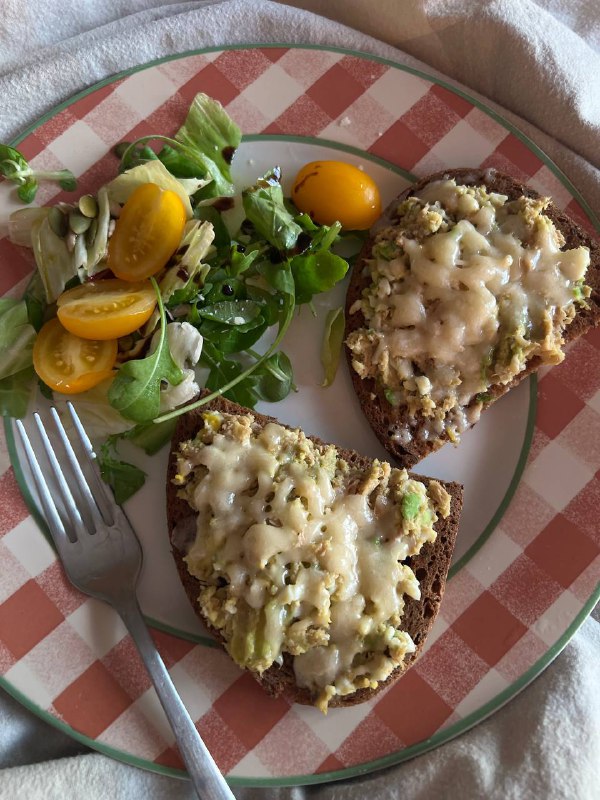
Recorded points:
(102, 557)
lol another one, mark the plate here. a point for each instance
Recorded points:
(527, 559)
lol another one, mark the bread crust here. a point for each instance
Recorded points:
(430, 566)
(380, 414)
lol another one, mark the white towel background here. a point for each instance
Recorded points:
(537, 62)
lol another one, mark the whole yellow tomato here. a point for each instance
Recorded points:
(331, 191)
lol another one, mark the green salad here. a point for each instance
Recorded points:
(166, 281)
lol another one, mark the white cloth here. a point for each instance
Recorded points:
(541, 61)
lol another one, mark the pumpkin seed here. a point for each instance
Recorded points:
(78, 223)
(90, 234)
(58, 222)
(88, 205)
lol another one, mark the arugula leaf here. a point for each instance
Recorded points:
(135, 391)
(123, 478)
(332, 344)
(273, 379)
(316, 272)
(224, 371)
(325, 237)
(14, 167)
(265, 208)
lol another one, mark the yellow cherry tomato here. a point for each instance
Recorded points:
(68, 364)
(333, 190)
(106, 309)
(147, 233)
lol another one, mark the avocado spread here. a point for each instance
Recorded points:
(465, 288)
(298, 551)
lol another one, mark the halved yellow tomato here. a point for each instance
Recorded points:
(106, 309)
(68, 364)
(331, 191)
(147, 233)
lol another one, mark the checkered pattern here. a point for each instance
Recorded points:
(71, 655)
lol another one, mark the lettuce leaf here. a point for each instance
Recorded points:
(214, 137)
(54, 262)
(122, 187)
(17, 336)
(135, 391)
(15, 391)
(20, 224)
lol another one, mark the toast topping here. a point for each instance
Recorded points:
(298, 551)
(465, 288)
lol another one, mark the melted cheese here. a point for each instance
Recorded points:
(298, 552)
(465, 289)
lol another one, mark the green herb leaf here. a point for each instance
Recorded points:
(316, 272)
(28, 190)
(151, 437)
(285, 317)
(224, 371)
(210, 214)
(332, 344)
(45, 390)
(240, 262)
(234, 338)
(273, 380)
(15, 392)
(264, 207)
(35, 301)
(231, 312)
(123, 478)
(410, 505)
(135, 391)
(14, 167)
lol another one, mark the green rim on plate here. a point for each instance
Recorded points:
(510, 691)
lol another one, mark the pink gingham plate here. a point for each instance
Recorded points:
(527, 563)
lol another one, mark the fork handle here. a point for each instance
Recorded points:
(204, 773)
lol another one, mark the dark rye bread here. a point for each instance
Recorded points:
(383, 417)
(430, 566)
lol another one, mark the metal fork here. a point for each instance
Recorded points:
(102, 557)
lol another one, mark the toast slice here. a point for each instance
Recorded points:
(430, 565)
(401, 429)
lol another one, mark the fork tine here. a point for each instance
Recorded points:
(90, 499)
(55, 523)
(70, 506)
(104, 499)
